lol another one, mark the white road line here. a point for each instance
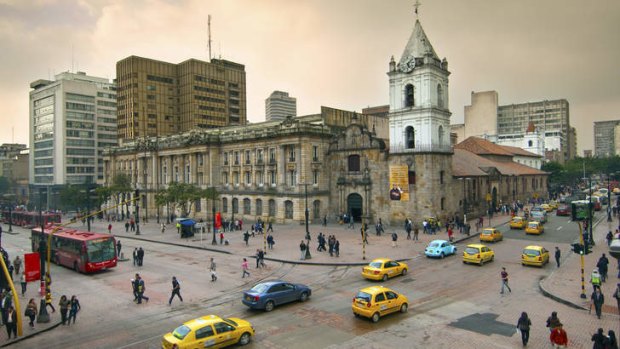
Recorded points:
(560, 227)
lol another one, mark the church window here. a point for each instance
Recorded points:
(354, 163)
(440, 134)
(409, 100)
(529, 143)
(272, 207)
(235, 205)
(288, 209)
(225, 205)
(411, 177)
(409, 137)
(439, 96)
(259, 207)
(247, 204)
(441, 173)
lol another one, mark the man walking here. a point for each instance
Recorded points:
(118, 248)
(135, 256)
(558, 254)
(140, 256)
(141, 287)
(176, 290)
(597, 299)
(17, 263)
(504, 276)
(244, 267)
(302, 248)
(602, 264)
(212, 269)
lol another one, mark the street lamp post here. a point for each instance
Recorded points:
(137, 200)
(608, 198)
(590, 239)
(214, 241)
(307, 213)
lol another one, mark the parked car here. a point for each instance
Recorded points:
(267, 295)
(377, 301)
(439, 248)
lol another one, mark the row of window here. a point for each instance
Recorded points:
(258, 207)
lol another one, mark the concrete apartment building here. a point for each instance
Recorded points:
(279, 105)
(72, 119)
(510, 125)
(606, 138)
(157, 98)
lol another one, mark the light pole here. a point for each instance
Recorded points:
(306, 213)
(608, 198)
(214, 241)
(137, 200)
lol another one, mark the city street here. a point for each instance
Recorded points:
(449, 301)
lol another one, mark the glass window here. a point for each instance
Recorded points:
(272, 207)
(247, 157)
(272, 155)
(315, 153)
(247, 204)
(409, 93)
(259, 207)
(288, 209)
(354, 163)
(204, 332)
(291, 154)
(222, 327)
(379, 297)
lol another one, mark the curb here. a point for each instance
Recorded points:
(556, 298)
(24, 337)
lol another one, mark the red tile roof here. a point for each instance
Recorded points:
(520, 152)
(481, 146)
(468, 164)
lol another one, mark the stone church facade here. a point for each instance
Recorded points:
(370, 166)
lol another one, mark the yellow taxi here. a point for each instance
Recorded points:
(517, 222)
(546, 207)
(491, 235)
(554, 204)
(478, 254)
(534, 227)
(377, 301)
(209, 331)
(534, 255)
(383, 269)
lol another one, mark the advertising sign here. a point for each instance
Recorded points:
(399, 182)
(218, 221)
(32, 266)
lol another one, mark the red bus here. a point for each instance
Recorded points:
(83, 251)
(28, 219)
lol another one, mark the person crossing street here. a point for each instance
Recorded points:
(176, 290)
(504, 275)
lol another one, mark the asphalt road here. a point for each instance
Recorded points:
(449, 302)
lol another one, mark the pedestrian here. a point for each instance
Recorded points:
(504, 276)
(17, 263)
(523, 325)
(212, 267)
(602, 264)
(74, 308)
(134, 287)
(163, 228)
(63, 304)
(599, 339)
(612, 340)
(609, 237)
(394, 239)
(330, 243)
(270, 227)
(597, 299)
(302, 248)
(118, 248)
(221, 238)
(135, 256)
(450, 234)
(140, 256)
(132, 225)
(244, 267)
(48, 300)
(558, 254)
(246, 237)
(31, 311)
(141, 287)
(617, 296)
(595, 279)
(22, 279)
(127, 227)
(558, 337)
(416, 231)
(176, 290)
(5, 304)
(337, 248)
(261, 258)
(258, 256)
(11, 269)
(270, 241)
(11, 322)
(110, 228)
(408, 228)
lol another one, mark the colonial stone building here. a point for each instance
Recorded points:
(371, 166)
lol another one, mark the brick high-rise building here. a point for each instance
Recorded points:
(157, 98)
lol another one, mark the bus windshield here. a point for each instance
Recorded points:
(100, 250)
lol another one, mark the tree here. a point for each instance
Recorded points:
(120, 186)
(183, 195)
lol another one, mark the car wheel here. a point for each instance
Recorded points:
(385, 277)
(269, 306)
(244, 339)
(356, 314)
(403, 308)
(404, 272)
(441, 255)
(492, 257)
(375, 317)
(303, 297)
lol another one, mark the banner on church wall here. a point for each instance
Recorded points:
(399, 182)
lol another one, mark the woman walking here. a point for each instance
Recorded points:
(22, 280)
(64, 308)
(523, 325)
(31, 311)
(74, 308)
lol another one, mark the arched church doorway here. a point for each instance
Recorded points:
(354, 206)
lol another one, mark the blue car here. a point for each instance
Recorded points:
(268, 294)
(439, 248)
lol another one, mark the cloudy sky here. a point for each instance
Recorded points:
(326, 52)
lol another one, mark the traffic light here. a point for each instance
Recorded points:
(588, 249)
(577, 248)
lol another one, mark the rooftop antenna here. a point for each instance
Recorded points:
(209, 30)
(417, 6)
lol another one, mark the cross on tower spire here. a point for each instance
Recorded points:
(417, 6)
